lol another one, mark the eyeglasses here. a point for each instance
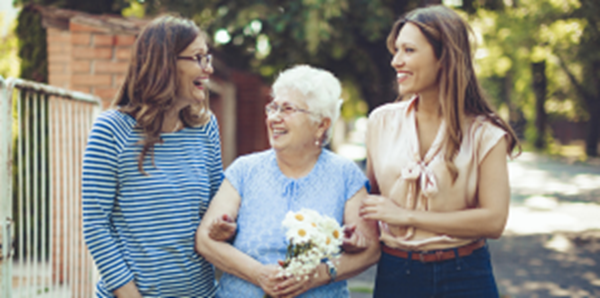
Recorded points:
(203, 60)
(286, 109)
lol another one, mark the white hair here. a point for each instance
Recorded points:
(320, 89)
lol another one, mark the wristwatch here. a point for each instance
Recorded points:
(331, 269)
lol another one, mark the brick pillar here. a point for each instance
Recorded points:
(100, 60)
(59, 57)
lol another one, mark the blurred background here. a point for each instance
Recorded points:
(538, 60)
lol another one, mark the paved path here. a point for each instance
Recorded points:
(551, 245)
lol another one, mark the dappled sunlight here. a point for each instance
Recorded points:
(552, 289)
(527, 177)
(546, 266)
(551, 244)
(548, 215)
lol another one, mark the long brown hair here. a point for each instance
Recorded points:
(149, 89)
(460, 92)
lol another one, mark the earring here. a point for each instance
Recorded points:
(317, 143)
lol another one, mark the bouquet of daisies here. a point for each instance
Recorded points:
(312, 238)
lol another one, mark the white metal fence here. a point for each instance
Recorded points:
(43, 134)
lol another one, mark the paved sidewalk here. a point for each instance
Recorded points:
(551, 245)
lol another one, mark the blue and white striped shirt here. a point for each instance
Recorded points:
(143, 227)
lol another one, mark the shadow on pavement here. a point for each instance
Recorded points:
(558, 265)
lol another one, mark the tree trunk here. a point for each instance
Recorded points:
(538, 70)
(515, 114)
(430, 2)
(593, 131)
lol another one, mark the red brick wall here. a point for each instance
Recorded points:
(59, 57)
(88, 59)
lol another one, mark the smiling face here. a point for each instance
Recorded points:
(415, 62)
(192, 78)
(292, 131)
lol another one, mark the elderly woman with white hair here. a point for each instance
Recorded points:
(297, 172)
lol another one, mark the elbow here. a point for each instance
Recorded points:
(202, 241)
(496, 228)
(495, 233)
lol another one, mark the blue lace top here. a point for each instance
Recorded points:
(267, 195)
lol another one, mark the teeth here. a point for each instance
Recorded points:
(279, 131)
(202, 81)
(401, 75)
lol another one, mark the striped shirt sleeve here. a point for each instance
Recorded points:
(99, 191)
(216, 166)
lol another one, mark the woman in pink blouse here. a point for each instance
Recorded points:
(438, 161)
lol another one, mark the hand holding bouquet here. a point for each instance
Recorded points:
(312, 239)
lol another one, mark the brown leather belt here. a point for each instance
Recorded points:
(435, 255)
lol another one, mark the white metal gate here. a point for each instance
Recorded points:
(43, 134)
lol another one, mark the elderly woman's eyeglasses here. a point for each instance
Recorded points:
(203, 60)
(286, 109)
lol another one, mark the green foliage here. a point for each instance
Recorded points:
(32, 46)
(94, 7)
(534, 31)
(346, 37)
(9, 61)
(135, 9)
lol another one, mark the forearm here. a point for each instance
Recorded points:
(226, 257)
(470, 223)
(352, 264)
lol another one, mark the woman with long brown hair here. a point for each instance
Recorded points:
(438, 161)
(151, 167)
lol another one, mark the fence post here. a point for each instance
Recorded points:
(6, 127)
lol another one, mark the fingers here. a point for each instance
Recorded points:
(349, 230)
(226, 218)
(269, 278)
(293, 286)
(366, 211)
(221, 230)
(354, 244)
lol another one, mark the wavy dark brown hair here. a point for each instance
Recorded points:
(461, 94)
(149, 88)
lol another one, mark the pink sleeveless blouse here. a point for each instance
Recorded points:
(424, 184)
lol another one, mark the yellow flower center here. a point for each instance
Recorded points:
(336, 234)
(299, 217)
(302, 233)
(313, 224)
(328, 241)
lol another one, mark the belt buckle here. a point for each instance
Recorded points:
(438, 255)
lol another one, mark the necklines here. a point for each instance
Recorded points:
(435, 147)
(282, 175)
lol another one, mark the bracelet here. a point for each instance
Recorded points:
(331, 269)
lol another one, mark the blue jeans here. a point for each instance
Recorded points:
(462, 277)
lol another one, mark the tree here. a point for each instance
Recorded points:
(558, 34)
(344, 36)
(347, 37)
(8, 54)
(587, 57)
